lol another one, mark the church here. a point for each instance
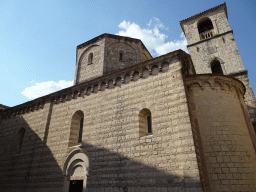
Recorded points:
(175, 123)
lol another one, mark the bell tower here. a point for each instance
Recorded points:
(213, 49)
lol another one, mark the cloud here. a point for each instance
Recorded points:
(44, 88)
(152, 37)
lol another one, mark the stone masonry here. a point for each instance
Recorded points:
(149, 124)
(221, 47)
(106, 49)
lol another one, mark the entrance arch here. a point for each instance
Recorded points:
(75, 171)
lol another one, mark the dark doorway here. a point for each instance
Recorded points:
(76, 186)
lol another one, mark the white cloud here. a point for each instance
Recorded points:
(152, 37)
(44, 88)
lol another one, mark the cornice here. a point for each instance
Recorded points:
(200, 79)
(109, 81)
(216, 36)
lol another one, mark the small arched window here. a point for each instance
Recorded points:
(90, 58)
(76, 130)
(20, 137)
(216, 67)
(121, 54)
(145, 122)
(205, 29)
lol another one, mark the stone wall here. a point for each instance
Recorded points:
(225, 131)
(219, 21)
(118, 155)
(144, 54)
(34, 168)
(106, 51)
(86, 71)
(113, 48)
(222, 48)
(249, 97)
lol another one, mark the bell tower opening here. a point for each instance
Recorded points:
(205, 29)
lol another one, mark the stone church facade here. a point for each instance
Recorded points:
(179, 122)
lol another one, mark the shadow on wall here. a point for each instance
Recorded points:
(34, 168)
(113, 171)
(25, 165)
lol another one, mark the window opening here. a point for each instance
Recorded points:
(145, 122)
(76, 129)
(90, 58)
(149, 124)
(216, 68)
(120, 56)
(81, 130)
(20, 138)
(205, 29)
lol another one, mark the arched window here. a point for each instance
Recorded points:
(20, 137)
(205, 29)
(145, 122)
(90, 58)
(121, 55)
(76, 130)
(216, 67)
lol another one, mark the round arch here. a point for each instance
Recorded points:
(84, 52)
(212, 59)
(76, 168)
(204, 24)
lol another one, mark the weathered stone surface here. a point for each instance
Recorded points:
(200, 139)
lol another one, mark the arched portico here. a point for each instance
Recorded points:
(75, 171)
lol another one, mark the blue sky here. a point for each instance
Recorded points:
(38, 39)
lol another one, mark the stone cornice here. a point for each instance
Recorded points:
(124, 76)
(239, 73)
(216, 36)
(212, 79)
